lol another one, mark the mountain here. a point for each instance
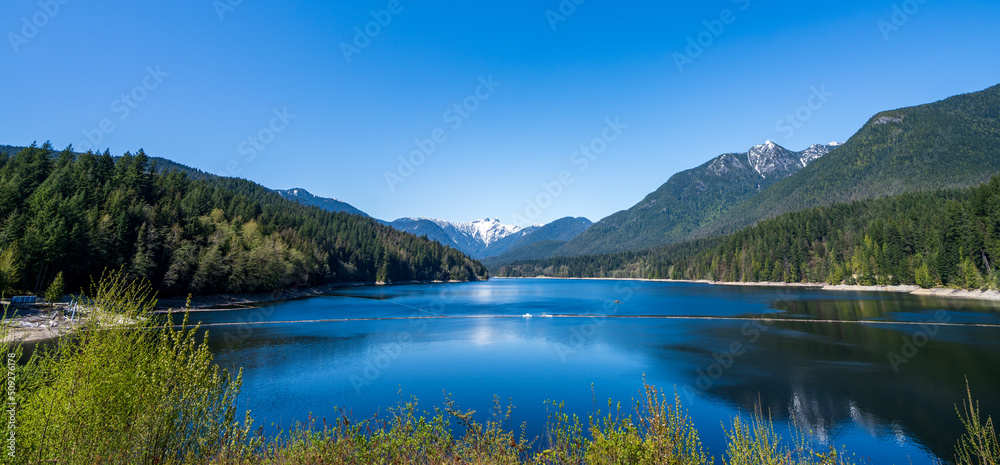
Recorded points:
(692, 199)
(331, 205)
(538, 242)
(488, 231)
(947, 237)
(489, 237)
(892, 205)
(535, 251)
(81, 214)
(440, 231)
(473, 237)
(951, 143)
(563, 229)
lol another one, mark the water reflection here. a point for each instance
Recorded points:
(827, 375)
(837, 380)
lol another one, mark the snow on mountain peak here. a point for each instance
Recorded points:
(300, 192)
(487, 230)
(766, 158)
(813, 152)
(770, 157)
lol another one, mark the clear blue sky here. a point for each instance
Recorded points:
(215, 75)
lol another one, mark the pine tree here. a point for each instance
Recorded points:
(10, 269)
(142, 262)
(923, 276)
(54, 293)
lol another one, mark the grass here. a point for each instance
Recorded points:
(130, 389)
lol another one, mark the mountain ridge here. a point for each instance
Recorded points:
(950, 143)
(692, 198)
(541, 242)
(329, 204)
(490, 237)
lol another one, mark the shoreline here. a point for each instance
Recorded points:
(219, 302)
(60, 326)
(40, 323)
(943, 292)
(42, 327)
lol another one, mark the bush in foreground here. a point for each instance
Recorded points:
(125, 388)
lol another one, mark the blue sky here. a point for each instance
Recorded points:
(266, 91)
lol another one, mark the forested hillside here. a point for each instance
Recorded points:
(693, 198)
(945, 237)
(947, 144)
(78, 214)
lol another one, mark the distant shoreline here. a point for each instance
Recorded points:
(53, 328)
(223, 302)
(906, 289)
(219, 302)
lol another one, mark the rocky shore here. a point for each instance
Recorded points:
(39, 322)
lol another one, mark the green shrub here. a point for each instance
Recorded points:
(978, 446)
(661, 433)
(754, 442)
(126, 388)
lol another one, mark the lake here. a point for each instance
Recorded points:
(877, 373)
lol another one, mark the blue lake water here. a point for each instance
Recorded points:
(884, 389)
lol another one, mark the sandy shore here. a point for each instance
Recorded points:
(960, 294)
(33, 334)
(917, 290)
(39, 323)
(698, 281)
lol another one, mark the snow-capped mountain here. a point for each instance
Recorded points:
(489, 237)
(815, 151)
(769, 158)
(479, 238)
(471, 237)
(489, 231)
(692, 198)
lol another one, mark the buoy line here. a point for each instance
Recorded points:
(592, 316)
